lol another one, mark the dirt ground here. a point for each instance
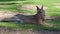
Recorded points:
(57, 5)
(31, 7)
(28, 31)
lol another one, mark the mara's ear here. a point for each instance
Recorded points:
(37, 8)
(42, 7)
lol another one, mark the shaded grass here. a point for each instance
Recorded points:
(31, 26)
(56, 24)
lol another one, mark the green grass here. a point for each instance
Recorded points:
(51, 11)
(30, 26)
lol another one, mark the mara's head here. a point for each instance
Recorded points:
(40, 14)
(40, 11)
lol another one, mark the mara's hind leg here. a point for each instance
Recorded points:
(17, 19)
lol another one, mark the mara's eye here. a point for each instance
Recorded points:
(44, 15)
(40, 12)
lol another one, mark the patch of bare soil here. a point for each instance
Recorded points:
(16, 31)
(30, 7)
(28, 31)
(6, 14)
(57, 5)
(48, 32)
(3, 5)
